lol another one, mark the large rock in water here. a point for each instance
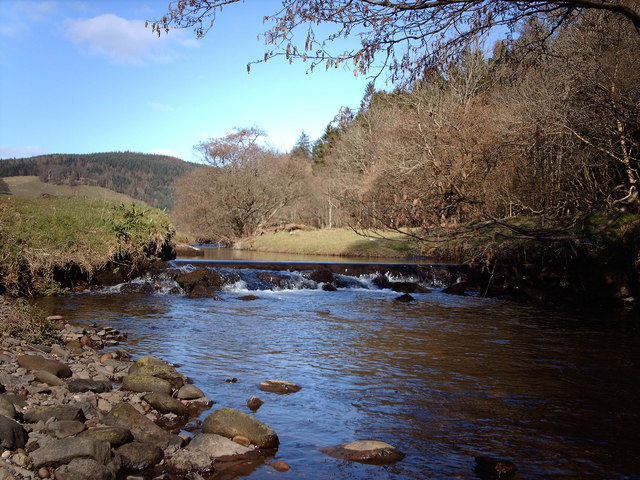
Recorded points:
(202, 277)
(279, 386)
(230, 423)
(38, 362)
(146, 383)
(142, 428)
(12, 435)
(366, 451)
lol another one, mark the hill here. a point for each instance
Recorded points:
(145, 177)
(33, 187)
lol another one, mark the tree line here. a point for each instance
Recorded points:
(544, 123)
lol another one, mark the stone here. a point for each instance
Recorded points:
(59, 412)
(138, 456)
(230, 422)
(12, 434)
(83, 385)
(457, 288)
(116, 436)
(84, 469)
(406, 298)
(281, 466)
(166, 403)
(143, 429)
(254, 403)
(189, 392)
(248, 298)
(218, 447)
(366, 451)
(58, 452)
(146, 383)
(184, 461)
(202, 277)
(106, 356)
(156, 367)
(48, 378)
(38, 362)
(322, 275)
(6, 408)
(86, 341)
(59, 351)
(490, 468)
(240, 440)
(5, 474)
(65, 428)
(279, 386)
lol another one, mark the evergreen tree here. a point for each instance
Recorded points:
(302, 148)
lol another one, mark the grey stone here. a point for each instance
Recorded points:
(12, 434)
(38, 362)
(145, 383)
(65, 428)
(184, 461)
(82, 385)
(6, 408)
(217, 446)
(84, 469)
(58, 452)
(139, 456)
(48, 378)
(156, 367)
(142, 428)
(230, 422)
(189, 392)
(59, 412)
(366, 451)
(116, 436)
(165, 403)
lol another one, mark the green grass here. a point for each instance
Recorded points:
(42, 236)
(33, 187)
(336, 241)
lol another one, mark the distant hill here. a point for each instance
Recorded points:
(33, 187)
(145, 177)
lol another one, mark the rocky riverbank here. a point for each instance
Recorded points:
(69, 412)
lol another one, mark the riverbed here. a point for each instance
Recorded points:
(444, 379)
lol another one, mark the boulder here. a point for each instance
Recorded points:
(254, 403)
(490, 468)
(230, 422)
(202, 277)
(156, 367)
(58, 452)
(65, 428)
(139, 456)
(218, 447)
(116, 436)
(142, 428)
(12, 434)
(281, 466)
(279, 386)
(406, 298)
(166, 403)
(366, 451)
(145, 383)
(38, 362)
(189, 392)
(85, 469)
(83, 385)
(144, 288)
(322, 275)
(457, 288)
(184, 461)
(58, 412)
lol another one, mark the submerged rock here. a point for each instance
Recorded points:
(366, 451)
(490, 468)
(406, 298)
(254, 403)
(279, 386)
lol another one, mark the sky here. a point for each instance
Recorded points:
(87, 76)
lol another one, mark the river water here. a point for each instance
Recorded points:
(444, 379)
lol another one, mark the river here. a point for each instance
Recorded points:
(445, 378)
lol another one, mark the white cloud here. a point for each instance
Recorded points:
(165, 151)
(124, 41)
(20, 152)
(160, 107)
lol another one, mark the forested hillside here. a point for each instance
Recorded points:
(142, 176)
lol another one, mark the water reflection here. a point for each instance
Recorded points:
(444, 379)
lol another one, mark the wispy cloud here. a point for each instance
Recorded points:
(160, 107)
(165, 151)
(124, 41)
(20, 152)
(17, 18)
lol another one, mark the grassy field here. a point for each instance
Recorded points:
(336, 241)
(33, 187)
(42, 237)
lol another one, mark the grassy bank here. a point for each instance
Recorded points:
(46, 240)
(335, 241)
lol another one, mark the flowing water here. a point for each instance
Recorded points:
(444, 379)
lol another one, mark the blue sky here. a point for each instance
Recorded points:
(83, 77)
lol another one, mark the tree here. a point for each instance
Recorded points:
(302, 148)
(412, 36)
